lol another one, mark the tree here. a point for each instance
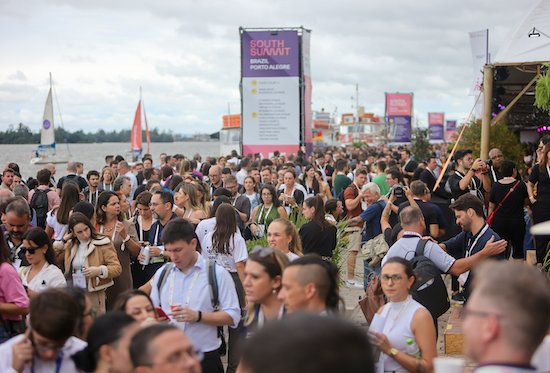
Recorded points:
(500, 137)
(420, 144)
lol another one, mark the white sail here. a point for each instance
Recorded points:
(47, 134)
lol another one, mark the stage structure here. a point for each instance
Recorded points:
(275, 90)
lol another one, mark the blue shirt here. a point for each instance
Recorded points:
(372, 216)
(178, 286)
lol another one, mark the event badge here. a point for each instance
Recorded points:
(79, 280)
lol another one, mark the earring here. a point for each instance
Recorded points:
(274, 291)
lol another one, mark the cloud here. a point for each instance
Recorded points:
(186, 55)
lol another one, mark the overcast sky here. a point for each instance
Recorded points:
(186, 56)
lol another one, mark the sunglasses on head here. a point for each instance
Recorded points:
(262, 251)
(31, 250)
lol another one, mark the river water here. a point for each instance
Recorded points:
(93, 155)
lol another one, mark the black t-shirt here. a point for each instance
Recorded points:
(394, 218)
(512, 208)
(429, 213)
(82, 183)
(542, 180)
(317, 240)
(454, 184)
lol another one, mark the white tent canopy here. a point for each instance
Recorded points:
(530, 42)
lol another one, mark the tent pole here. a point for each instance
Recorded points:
(486, 118)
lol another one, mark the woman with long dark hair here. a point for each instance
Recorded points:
(251, 192)
(540, 203)
(227, 248)
(290, 196)
(310, 182)
(137, 304)
(318, 235)
(123, 235)
(14, 301)
(269, 210)
(58, 218)
(90, 260)
(143, 220)
(42, 272)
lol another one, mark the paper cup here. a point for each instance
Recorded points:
(448, 365)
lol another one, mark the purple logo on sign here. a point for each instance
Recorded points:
(46, 124)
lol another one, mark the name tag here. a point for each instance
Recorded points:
(79, 280)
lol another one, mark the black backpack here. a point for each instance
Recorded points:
(39, 202)
(429, 289)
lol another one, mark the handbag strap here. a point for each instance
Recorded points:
(506, 197)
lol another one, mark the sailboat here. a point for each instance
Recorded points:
(136, 134)
(46, 151)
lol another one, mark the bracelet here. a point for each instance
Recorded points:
(200, 316)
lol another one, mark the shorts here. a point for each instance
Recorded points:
(354, 235)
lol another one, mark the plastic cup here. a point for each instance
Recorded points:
(448, 365)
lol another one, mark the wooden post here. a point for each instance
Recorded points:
(487, 104)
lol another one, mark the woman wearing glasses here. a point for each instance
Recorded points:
(42, 273)
(90, 260)
(404, 330)
(262, 281)
(269, 210)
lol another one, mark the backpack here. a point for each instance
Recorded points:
(214, 294)
(429, 289)
(39, 202)
(342, 199)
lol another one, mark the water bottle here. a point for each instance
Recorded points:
(147, 256)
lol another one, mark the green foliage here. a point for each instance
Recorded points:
(23, 135)
(542, 91)
(500, 137)
(420, 144)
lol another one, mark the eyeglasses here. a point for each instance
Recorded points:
(394, 278)
(466, 311)
(31, 250)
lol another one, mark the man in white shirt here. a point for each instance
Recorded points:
(506, 317)
(48, 345)
(184, 293)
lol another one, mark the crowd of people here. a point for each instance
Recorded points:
(139, 267)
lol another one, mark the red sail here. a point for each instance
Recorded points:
(136, 130)
(147, 132)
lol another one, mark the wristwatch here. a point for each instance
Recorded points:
(393, 352)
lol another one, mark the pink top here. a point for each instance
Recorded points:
(53, 197)
(11, 289)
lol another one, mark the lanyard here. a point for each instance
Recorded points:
(112, 236)
(189, 291)
(473, 244)
(265, 216)
(90, 197)
(261, 317)
(472, 181)
(140, 228)
(410, 234)
(58, 362)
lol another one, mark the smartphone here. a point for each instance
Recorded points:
(161, 314)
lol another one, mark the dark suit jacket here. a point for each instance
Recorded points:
(429, 179)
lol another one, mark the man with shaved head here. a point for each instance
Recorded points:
(495, 157)
(215, 176)
(310, 285)
(125, 170)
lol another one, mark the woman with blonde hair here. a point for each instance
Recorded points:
(282, 235)
(203, 196)
(185, 198)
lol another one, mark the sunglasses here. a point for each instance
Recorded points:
(262, 251)
(30, 250)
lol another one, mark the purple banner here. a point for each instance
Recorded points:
(436, 132)
(451, 125)
(270, 53)
(400, 128)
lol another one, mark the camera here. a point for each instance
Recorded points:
(398, 191)
(489, 162)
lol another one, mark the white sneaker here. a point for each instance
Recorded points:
(354, 284)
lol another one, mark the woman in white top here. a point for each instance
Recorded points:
(185, 199)
(282, 235)
(42, 273)
(251, 193)
(58, 218)
(402, 329)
